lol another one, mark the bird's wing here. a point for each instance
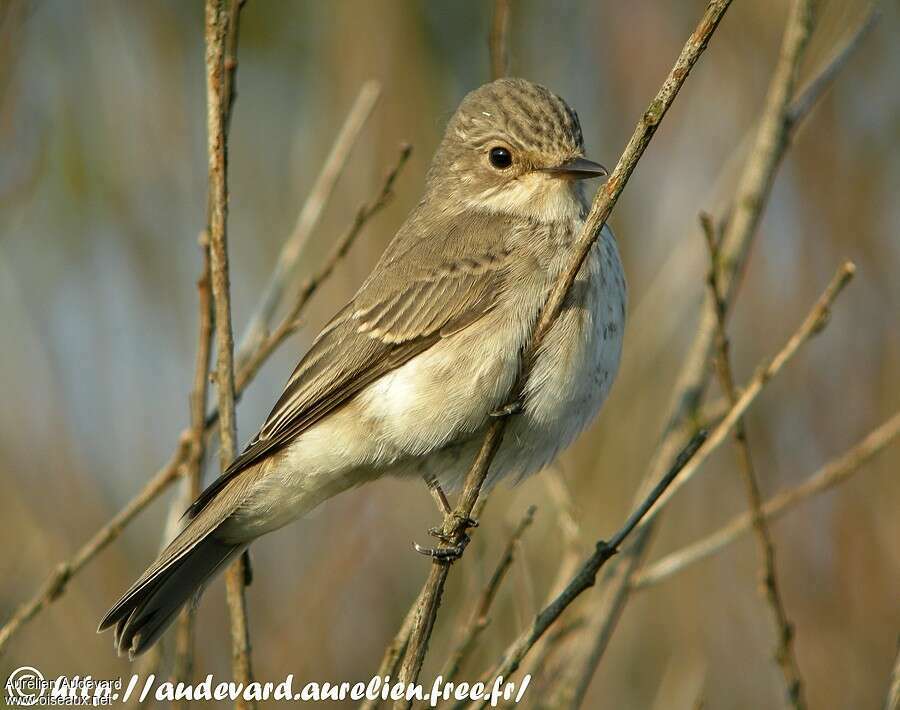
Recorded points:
(426, 286)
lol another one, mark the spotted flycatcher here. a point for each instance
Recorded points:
(404, 379)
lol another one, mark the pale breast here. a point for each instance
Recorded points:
(578, 362)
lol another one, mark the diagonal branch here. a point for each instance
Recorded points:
(308, 218)
(454, 524)
(479, 620)
(686, 462)
(784, 652)
(587, 574)
(830, 475)
(754, 186)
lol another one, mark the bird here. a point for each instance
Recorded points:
(404, 380)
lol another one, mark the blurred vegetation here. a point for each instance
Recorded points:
(102, 195)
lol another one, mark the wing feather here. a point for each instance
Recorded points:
(420, 291)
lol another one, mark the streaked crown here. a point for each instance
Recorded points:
(502, 133)
(526, 114)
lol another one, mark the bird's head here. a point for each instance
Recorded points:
(513, 146)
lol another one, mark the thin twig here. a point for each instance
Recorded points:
(830, 475)
(393, 653)
(604, 201)
(249, 367)
(809, 95)
(686, 463)
(498, 40)
(587, 574)
(308, 219)
(183, 664)
(479, 620)
(784, 650)
(571, 557)
(813, 324)
(57, 581)
(219, 19)
(754, 186)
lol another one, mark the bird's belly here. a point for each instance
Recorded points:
(573, 373)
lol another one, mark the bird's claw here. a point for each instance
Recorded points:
(448, 551)
(507, 410)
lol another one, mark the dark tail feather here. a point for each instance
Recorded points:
(147, 609)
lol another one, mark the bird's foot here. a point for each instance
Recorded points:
(452, 546)
(507, 410)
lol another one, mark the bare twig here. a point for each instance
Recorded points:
(809, 95)
(751, 195)
(184, 636)
(393, 653)
(572, 554)
(308, 219)
(784, 651)
(830, 475)
(249, 367)
(812, 325)
(586, 576)
(498, 40)
(219, 18)
(479, 618)
(183, 666)
(604, 201)
(56, 582)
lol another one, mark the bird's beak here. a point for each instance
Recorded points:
(578, 168)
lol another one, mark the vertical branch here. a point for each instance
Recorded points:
(784, 652)
(498, 40)
(184, 635)
(221, 18)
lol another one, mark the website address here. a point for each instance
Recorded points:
(30, 689)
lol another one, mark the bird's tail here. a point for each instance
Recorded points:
(181, 570)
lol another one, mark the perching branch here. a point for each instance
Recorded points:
(219, 19)
(784, 652)
(830, 475)
(454, 524)
(754, 186)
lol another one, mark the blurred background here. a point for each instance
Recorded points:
(103, 193)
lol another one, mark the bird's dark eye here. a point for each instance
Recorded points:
(500, 158)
